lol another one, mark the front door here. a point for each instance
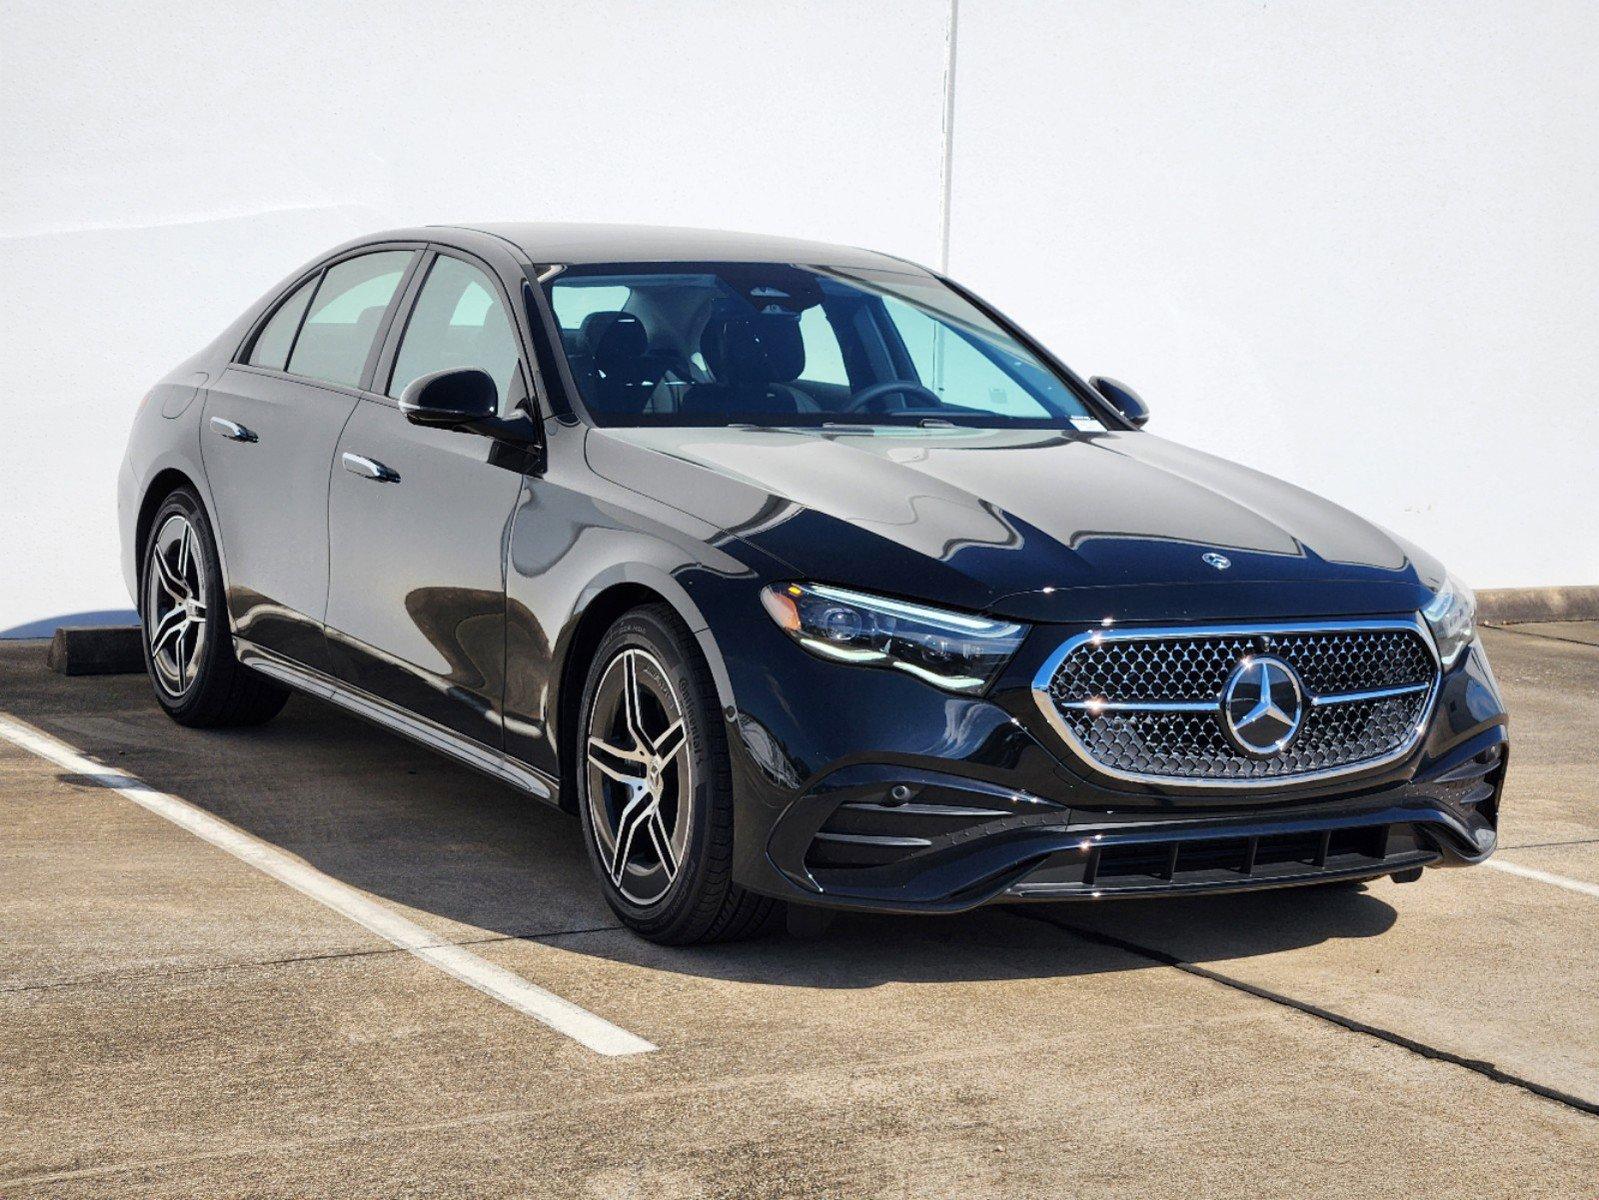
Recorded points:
(267, 437)
(419, 521)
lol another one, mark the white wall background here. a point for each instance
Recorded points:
(1355, 244)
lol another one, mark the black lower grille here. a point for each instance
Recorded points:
(1476, 783)
(1246, 856)
(1132, 866)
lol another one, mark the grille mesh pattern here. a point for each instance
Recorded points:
(1192, 745)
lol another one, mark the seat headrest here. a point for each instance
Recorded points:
(753, 349)
(616, 341)
(367, 321)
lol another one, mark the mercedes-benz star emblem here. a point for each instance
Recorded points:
(1262, 706)
(1220, 561)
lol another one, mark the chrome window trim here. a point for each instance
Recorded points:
(1046, 704)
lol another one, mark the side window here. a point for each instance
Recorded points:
(824, 360)
(338, 331)
(458, 321)
(277, 336)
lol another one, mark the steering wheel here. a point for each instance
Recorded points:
(901, 387)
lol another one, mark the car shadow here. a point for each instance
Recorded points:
(471, 858)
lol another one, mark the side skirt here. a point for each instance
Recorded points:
(381, 712)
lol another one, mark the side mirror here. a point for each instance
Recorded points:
(454, 398)
(1123, 399)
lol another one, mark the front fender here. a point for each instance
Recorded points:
(580, 551)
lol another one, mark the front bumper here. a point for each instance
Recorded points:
(1000, 812)
(850, 845)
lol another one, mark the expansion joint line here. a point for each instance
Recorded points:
(1480, 1066)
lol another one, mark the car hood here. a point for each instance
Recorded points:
(1039, 525)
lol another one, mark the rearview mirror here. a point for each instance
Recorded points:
(454, 398)
(1123, 399)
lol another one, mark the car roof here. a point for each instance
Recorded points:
(548, 242)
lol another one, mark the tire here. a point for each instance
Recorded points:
(188, 646)
(655, 789)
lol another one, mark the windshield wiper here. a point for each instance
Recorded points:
(921, 423)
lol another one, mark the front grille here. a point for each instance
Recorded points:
(1149, 704)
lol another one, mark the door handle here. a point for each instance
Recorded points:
(232, 430)
(369, 468)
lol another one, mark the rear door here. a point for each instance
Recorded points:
(270, 426)
(419, 518)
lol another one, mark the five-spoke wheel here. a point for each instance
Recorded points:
(175, 605)
(187, 645)
(640, 782)
(654, 785)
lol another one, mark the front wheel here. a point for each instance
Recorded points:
(655, 788)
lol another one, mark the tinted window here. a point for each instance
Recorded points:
(577, 301)
(824, 360)
(458, 321)
(948, 361)
(272, 346)
(338, 331)
(705, 343)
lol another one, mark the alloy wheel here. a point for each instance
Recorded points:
(175, 605)
(640, 778)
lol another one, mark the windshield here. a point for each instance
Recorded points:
(699, 343)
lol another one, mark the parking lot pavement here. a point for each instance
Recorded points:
(174, 1022)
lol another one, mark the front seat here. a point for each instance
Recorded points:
(752, 357)
(616, 347)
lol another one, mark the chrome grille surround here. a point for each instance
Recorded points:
(1145, 704)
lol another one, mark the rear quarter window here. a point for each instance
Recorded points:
(273, 343)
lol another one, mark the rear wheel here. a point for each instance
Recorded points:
(188, 648)
(655, 789)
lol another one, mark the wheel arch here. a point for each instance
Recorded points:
(162, 484)
(603, 604)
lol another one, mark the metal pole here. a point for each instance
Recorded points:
(948, 173)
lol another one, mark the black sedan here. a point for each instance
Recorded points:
(798, 573)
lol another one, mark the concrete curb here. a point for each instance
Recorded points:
(101, 650)
(1504, 606)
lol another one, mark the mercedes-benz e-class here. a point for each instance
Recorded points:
(798, 574)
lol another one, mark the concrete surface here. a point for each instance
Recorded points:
(173, 1023)
(1586, 632)
(1506, 606)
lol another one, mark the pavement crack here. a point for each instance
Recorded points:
(1486, 1069)
(1552, 845)
(767, 1082)
(1545, 637)
(290, 960)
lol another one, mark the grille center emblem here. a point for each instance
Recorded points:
(1262, 706)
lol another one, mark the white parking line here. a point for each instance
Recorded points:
(1559, 881)
(505, 986)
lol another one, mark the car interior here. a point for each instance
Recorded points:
(698, 343)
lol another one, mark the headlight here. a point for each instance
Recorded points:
(1452, 616)
(949, 650)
